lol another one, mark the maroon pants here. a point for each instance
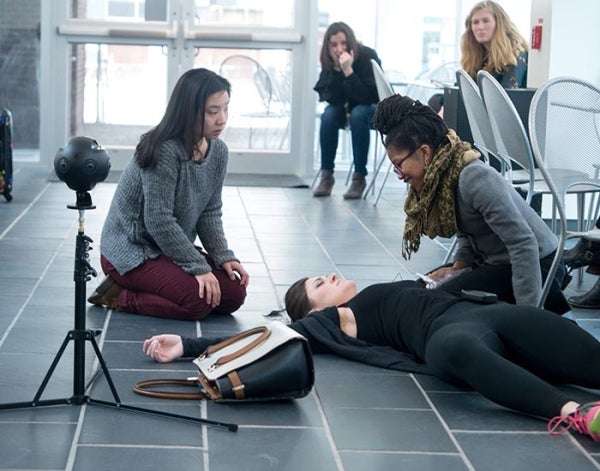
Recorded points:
(160, 288)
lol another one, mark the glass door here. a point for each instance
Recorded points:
(113, 64)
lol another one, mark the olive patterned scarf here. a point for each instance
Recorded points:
(432, 211)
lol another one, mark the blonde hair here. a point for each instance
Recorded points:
(503, 50)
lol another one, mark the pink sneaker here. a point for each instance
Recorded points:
(586, 420)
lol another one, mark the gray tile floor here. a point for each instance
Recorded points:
(356, 418)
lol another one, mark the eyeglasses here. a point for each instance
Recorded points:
(398, 165)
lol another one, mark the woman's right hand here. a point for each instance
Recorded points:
(209, 289)
(441, 272)
(163, 348)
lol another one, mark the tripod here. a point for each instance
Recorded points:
(80, 335)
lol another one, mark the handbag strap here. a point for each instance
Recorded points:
(145, 388)
(264, 335)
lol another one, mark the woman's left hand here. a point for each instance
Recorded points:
(163, 348)
(234, 269)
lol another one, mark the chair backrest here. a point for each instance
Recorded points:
(564, 118)
(241, 67)
(384, 88)
(564, 124)
(479, 123)
(431, 81)
(509, 133)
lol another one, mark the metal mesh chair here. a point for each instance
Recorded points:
(263, 95)
(512, 143)
(564, 123)
(511, 140)
(479, 123)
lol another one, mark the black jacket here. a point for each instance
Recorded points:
(356, 89)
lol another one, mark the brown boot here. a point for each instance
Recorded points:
(106, 294)
(357, 187)
(326, 184)
(584, 253)
(589, 300)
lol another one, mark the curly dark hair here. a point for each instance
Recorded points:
(296, 300)
(405, 123)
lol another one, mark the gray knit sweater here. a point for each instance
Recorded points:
(496, 226)
(161, 210)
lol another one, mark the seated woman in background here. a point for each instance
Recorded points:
(347, 84)
(404, 326)
(491, 42)
(500, 237)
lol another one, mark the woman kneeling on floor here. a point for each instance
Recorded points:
(503, 245)
(168, 196)
(404, 326)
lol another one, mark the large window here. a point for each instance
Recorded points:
(269, 13)
(119, 91)
(259, 111)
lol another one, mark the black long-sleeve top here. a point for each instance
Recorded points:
(358, 88)
(393, 324)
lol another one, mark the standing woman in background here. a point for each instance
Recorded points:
(168, 196)
(347, 84)
(491, 42)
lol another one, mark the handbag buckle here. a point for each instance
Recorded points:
(212, 367)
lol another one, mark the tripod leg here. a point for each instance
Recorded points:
(109, 380)
(53, 366)
(169, 415)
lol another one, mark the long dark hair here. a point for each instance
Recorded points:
(296, 300)
(406, 124)
(333, 29)
(184, 110)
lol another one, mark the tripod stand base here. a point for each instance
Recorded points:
(114, 405)
(80, 336)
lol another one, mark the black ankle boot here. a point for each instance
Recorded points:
(589, 300)
(583, 254)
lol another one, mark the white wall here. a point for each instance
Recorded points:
(570, 41)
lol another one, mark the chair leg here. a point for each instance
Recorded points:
(350, 169)
(580, 228)
(376, 171)
(376, 166)
(451, 249)
(316, 177)
(387, 174)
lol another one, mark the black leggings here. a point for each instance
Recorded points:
(498, 279)
(511, 354)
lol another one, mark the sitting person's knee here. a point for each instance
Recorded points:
(232, 300)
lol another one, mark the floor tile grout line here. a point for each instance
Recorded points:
(206, 449)
(152, 446)
(327, 430)
(376, 239)
(400, 452)
(258, 246)
(584, 451)
(17, 316)
(444, 425)
(25, 210)
(75, 442)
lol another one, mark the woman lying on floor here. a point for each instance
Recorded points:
(510, 354)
